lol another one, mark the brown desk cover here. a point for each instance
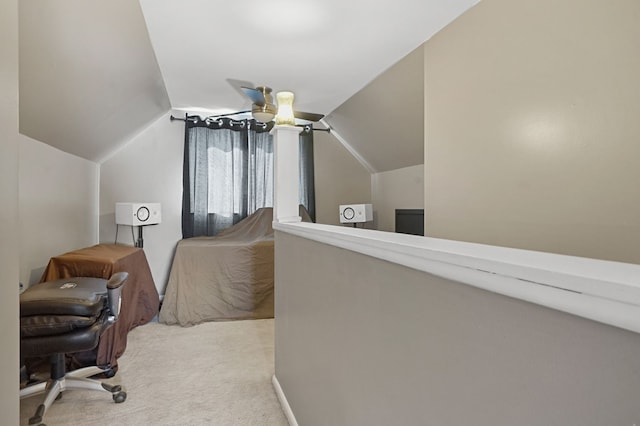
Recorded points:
(140, 300)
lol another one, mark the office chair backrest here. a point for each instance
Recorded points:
(114, 293)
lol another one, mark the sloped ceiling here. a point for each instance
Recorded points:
(94, 73)
(383, 124)
(88, 78)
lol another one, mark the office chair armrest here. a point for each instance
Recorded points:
(114, 292)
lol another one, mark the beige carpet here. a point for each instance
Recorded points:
(216, 373)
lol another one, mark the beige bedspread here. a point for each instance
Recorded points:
(229, 276)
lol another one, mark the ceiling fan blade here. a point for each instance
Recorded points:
(230, 114)
(309, 116)
(238, 84)
(255, 95)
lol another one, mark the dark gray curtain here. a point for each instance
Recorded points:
(307, 188)
(228, 173)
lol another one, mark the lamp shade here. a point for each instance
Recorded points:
(285, 109)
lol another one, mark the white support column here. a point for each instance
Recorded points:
(286, 179)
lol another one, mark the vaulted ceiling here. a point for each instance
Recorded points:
(95, 73)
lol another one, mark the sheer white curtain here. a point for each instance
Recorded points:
(260, 164)
(228, 173)
(246, 169)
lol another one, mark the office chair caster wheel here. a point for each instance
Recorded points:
(109, 373)
(120, 397)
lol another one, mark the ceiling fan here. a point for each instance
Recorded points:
(263, 108)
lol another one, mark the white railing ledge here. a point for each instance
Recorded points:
(600, 290)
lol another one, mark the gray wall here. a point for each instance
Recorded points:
(339, 178)
(147, 169)
(532, 127)
(384, 122)
(89, 78)
(361, 341)
(396, 189)
(58, 202)
(9, 258)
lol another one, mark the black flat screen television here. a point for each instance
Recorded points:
(410, 221)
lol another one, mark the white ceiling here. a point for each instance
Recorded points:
(92, 74)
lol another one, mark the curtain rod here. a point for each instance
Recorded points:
(328, 129)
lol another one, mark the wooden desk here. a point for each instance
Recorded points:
(140, 300)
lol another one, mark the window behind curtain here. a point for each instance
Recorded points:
(228, 173)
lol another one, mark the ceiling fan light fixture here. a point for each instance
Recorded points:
(263, 108)
(285, 115)
(264, 113)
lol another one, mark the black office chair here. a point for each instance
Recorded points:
(66, 316)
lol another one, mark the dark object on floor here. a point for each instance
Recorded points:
(66, 316)
(139, 298)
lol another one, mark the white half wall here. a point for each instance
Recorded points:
(147, 169)
(58, 205)
(366, 339)
(9, 258)
(396, 189)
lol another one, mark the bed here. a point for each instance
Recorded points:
(226, 277)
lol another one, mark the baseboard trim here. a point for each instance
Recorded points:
(283, 402)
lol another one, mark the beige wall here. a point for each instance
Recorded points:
(339, 178)
(396, 189)
(147, 169)
(9, 257)
(58, 204)
(362, 341)
(532, 127)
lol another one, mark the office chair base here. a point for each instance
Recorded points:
(76, 379)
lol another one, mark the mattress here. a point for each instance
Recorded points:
(226, 277)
